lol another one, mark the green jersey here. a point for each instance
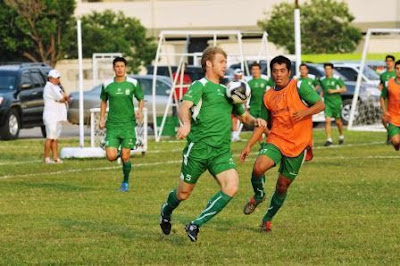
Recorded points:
(211, 113)
(332, 83)
(306, 93)
(120, 97)
(386, 75)
(311, 80)
(258, 87)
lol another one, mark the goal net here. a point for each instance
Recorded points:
(97, 135)
(365, 111)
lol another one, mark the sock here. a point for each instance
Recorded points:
(214, 206)
(258, 186)
(276, 203)
(171, 204)
(126, 169)
(341, 137)
(329, 139)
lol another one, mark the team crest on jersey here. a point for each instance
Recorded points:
(127, 91)
(262, 84)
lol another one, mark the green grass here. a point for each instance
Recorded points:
(322, 58)
(344, 207)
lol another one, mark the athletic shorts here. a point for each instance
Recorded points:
(289, 166)
(53, 130)
(393, 130)
(333, 110)
(199, 157)
(124, 136)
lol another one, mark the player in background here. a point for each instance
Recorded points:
(121, 122)
(384, 77)
(304, 76)
(258, 85)
(288, 139)
(237, 75)
(205, 113)
(332, 86)
(390, 104)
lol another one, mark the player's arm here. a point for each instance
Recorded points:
(139, 96)
(342, 86)
(381, 83)
(313, 100)
(247, 119)
(103, 107)
(382, 100)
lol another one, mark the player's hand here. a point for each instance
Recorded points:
(297, 116)
(102, 124)
(139, 115)
(183, 131)
(330, 91)
(260, 123)
(245, 152)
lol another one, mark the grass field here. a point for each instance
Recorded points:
(344, 207)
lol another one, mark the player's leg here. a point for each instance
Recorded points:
(128, 140)
(288, 171)
(328, 130)
(385, 124)
(268, 157)
(47, 147)
(339, 125)
(50, 136)
(394, 133)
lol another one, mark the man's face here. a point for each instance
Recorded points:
(119, 69)
(255, 72)
(218, 65)
(328, 71)
(303, 71)
(397, 69)
(389, 63)
(237, 77)
(55, 81)
(280, 74)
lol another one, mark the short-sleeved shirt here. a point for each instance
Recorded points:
(120, 96)
(386, 75)
(306, 92)
(54, 111)
(332, 83)
(211, 113)
(258, 87)
(311, 80)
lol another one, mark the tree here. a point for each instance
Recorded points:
(35, 29)
(325, 27)
(113, 32)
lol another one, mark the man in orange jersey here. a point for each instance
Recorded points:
(288, 107)
(391, 110)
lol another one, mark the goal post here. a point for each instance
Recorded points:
(365, 113)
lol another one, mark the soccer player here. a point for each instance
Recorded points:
(332, 86)
(306, 77)
(289, 136)
(205, 113)
(391, 110)
(237, 75)
(121, 122)
(384, 77)
(258, 85)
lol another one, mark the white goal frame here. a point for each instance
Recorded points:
(354, 106)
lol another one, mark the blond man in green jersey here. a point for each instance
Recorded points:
(205, 113)
(121, 120)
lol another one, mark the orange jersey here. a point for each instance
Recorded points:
(393, 102)
(289, 136)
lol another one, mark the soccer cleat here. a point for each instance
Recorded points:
(328, 143)
(266, 227)
(252, 205)
(58, 161)
(124, 187)
(192, 230)
(341, 141)
(165, 224)
(47, 160)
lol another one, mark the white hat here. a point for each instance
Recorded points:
(238, 71)
(54, 74)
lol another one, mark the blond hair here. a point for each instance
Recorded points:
(209, 55)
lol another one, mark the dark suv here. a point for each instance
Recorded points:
(21, 97)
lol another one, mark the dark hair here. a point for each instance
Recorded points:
(209, 55)
(390, 56)
(328, 65)
(280, 59)
(303, 64)
(255, 64)
(397, 63)
(119, 59)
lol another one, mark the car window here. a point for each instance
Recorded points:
(350, 73)
(26, 78)
(370, 73)
(161, 88)
(7, 81)
(37, 78)
(146, 85)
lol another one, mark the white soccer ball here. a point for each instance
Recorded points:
(238, 91)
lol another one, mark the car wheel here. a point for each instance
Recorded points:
(11, 127)
(346, 110)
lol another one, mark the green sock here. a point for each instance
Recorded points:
(214, 206)
(276, 203)
(126, 169)
(258, 186)
(171, 204)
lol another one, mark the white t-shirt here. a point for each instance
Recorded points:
(54, 111)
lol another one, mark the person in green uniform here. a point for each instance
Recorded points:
(121, 120)
(258, 85)
(332, 86)
(306, 77)
(384, 77)
(205, 114)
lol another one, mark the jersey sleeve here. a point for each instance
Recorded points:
(139, 92)
(382, 80)
(264, 112)
(194, 93)
(384, 92)
(308, 94)
(103, 94)
(340, 82)
(238, 109)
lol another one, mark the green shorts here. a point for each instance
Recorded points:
(289, 166)
(124, 136)
(393, 130)
(333, 110)
(199, 157)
